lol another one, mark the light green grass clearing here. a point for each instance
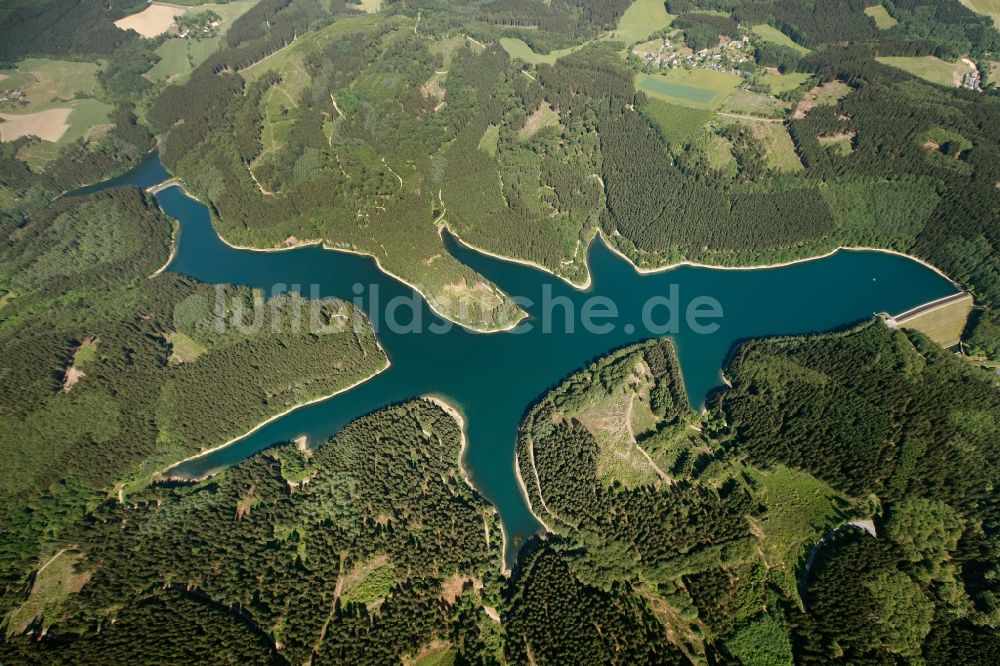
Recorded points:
(183, 349)
(929, 68)
(539, 120)
(374, 587)
(517, 49)
(697, 88)
(446, 48)
(676, 123)
(444, 656)
(642, 19)
(490, 141)
(840, 143)
(771, 34)
(53, 584)
(86, 354)
(229, 12)
(745, 102)
(883, 21)
(719, 152)
(784, 82)
(371, 6)
(778, 146)
(801, 508)
(179, 57)
(989, 8)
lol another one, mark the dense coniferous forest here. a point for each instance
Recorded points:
(875, 424)
(743, 534)
(90, 373)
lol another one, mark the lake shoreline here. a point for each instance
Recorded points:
(334, 248)
(443, 224)
(791, 262)
(163, 476)
(456, 414)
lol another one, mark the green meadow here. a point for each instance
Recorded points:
(696, 88)
(929, 68)
(883, 21)
(771, 34)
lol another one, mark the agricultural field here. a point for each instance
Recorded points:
(771, 34)
(46, 125)
(152, 21)
(58, 106)
(178, 57)
(883, 21)
(929, 68)
(989, 8)
(697, 88)
(642, 19)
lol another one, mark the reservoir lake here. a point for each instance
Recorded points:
(493, 378)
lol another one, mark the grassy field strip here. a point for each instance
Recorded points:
(929, 68)
(698, 88)
(942, 322)
(879, 14)
(989, 8)
(771, 34)
(518, 49)
(642, 19)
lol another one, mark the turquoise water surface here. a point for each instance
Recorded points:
(495, 377)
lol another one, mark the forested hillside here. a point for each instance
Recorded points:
(108, 374)
(835, 503)
(371, 548)
(731, 529)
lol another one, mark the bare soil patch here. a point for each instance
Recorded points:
(46, 125)
(451, 588)
(152, 21)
